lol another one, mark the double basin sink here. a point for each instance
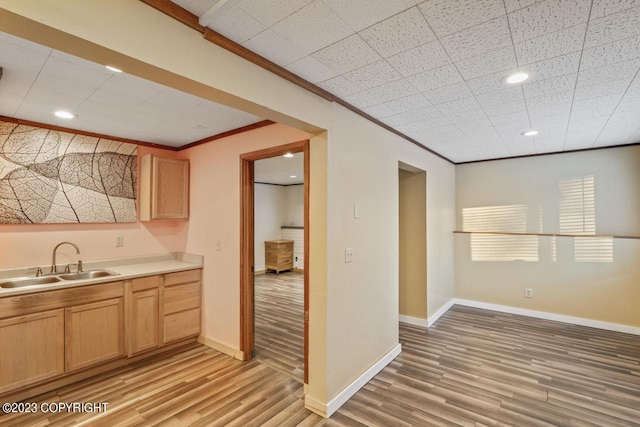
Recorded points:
(19, 282)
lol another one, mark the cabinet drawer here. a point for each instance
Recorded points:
(181, 325)
(142, 283)
(181, 297)
(171, 279)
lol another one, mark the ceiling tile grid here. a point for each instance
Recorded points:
(432, 67)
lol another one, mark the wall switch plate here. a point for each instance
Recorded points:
(218, 245)
(528, 292)
(119, 241)
(356, 210)
(348, 255)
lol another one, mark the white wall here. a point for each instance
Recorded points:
(562, 280)
(270, 203)
(294, 205)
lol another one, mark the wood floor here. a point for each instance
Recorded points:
(472, 368)
(279, 321)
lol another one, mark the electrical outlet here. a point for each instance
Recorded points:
(119, 241)
(348, 255)
(528, 292)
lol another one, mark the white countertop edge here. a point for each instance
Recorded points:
(126, 268)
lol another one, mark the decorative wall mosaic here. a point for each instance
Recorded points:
(50, 176)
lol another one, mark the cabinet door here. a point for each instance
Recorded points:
(164, 188)
(145, 320)
(31, 349)
(94, 333)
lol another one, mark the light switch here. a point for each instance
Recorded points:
(218, 245)
(119, 241)
(356, 210)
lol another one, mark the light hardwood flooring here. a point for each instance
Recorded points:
(279, 321)
(472, 368)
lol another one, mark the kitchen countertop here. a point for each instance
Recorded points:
(126, 268)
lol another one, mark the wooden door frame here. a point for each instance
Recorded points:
(247, 244)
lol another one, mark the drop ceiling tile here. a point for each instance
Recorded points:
(551, 45)
(432, 123)
(547, 17)
(17, 80)
(477, 40)
(612, 87)
(114, 99)
(539, 88)
(611, 53)
(419, 59)
(62, 92)
(435, 78)
(480, 128)
(311, 69)
(540, 113)
(360, 14)
(275, 48)
(339, 86)
(547, 101)
(598, 106)
(505, 95)
(503, 108)
(554, 67)
(270, 12)
(379, 111)
(398, 33)
(467, 105)
(489, 83)
(132, 86)
(448, 93)
(601, 8)
(347, 55)
(67, 70)
(513, 5)
(236, 24)
(422, 114)
(549, 144)
(381, 94)
(21, 57)
(373, 75)
(409, 103)
(508, 122)
(9, 103)
(613, 27)
(395, 120)
(313, 27)
(487, 63)
(407, 129)
(447, 17)
(622, 70)
(469, 116)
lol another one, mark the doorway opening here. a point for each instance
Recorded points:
(412, 192)
(274, 286)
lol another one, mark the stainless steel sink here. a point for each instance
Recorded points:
(86, 275)
(19, 282)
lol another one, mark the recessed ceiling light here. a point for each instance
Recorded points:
(114, 69)
(65, 115)
(288, 155)
(514, 78)
(293, 176)
(529, 133)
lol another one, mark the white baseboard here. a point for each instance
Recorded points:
(432, 319)
(415, 321)
(222, 348)
(327, 409)
(616, 327)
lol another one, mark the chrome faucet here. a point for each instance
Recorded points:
(53, 261)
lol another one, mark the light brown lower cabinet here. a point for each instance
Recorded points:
(31, 349)
(47, 336)
(144, 314)
(94, 333)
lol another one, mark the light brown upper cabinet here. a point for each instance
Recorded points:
(164, 188)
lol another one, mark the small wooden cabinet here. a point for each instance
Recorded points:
(31, 349)
(164, 188)
(94, 333)
(278, 255)
(181, 305)
(144, 314)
